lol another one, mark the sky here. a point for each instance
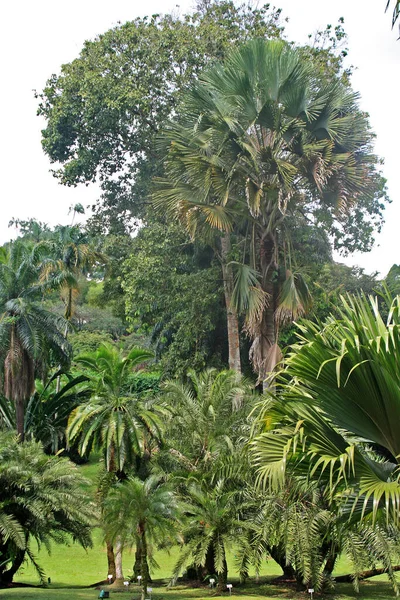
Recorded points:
(38, 37)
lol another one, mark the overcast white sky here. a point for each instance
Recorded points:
(37, 37)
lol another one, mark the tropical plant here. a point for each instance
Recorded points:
(113, 420)
(31, 338)
(338, 408)
(141, 514)
(42, 500)
(260, 138)
(211, 527)
(123, 427)
(211, 408)
(70, 257)
(47, 411)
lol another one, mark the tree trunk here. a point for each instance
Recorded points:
(264, 352)
(278, 554)
(364, 574)
(7, 577)
(144, 565)
(111, 560)
(223, 577)
(208, 569)
(19, 379)
(119, 576)
(231, 314)
(137, 566)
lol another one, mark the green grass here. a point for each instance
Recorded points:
(263, 591)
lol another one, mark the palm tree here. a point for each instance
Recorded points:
(261, 139)
(114, 421)
(42, 500)
(30, 336)
(336, 417)
(211, 409)
(141, 513)
(211, 527)
(71, 256)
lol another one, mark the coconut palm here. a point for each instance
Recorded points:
(338, 410)
(114, 421)
(141, 514)
(261, 139)
(31, 338)
(42, 500)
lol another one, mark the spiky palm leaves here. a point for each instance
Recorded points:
(260, 139)
(211, 526)
(211, 408)
(41, 499)
(30, 337)
(338, 410)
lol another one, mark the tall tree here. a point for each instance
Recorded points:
(261, 138)
(31, 337)
(123, 86)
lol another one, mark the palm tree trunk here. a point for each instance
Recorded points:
(223, 577)
(231, 314)
(119, 576)
(7, 577)
(111, 560)
(19, 379)
(144, 565)
(267, 332)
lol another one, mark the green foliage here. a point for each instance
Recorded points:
(42, 500)
(84, 342)
(338, 407)
(112, 420)
(174, 294)
(32, 339)
(124, 85)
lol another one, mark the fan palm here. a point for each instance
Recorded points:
(261, 139)
(338, 410)
(141, 513)
(30, 337)
(42, 499)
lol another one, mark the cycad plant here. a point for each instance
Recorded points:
(211, 407)
(260, 138)
(212, 526)
(31, 338)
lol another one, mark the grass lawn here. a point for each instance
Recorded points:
(74, 568)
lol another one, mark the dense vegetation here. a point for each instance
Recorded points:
(168, 335)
